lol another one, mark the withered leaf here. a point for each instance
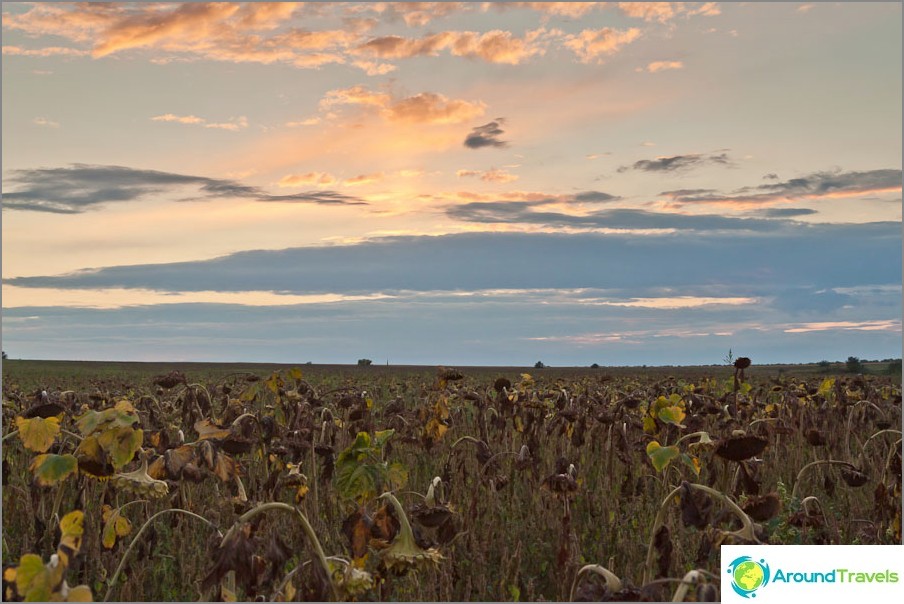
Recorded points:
(739, 448)
(854, 478)
(763, 508)
(357, 529)
(696, 507)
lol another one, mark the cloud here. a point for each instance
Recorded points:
(537, 213)
(666, 11)
(677, 162)
(417, 14)
(80, 187)
(426, 107)
(805, 8)
(372, 68)
(560, 9)
(49, 51)
(179, 119)
(744, 263)
(311, 121)
(817, 185)
(43, 121)
(661, 66)
(494, 46)
(321, 179)
(220, 31)
(492, 175)
(487, 135)
(233, 124)
(786, 212)
(650, 11)
(592, 45)
(363, 179)
(893, 325)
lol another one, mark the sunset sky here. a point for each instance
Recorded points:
(459, 183)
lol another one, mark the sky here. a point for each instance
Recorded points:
(462, 183)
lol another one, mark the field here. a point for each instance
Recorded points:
(161, 482)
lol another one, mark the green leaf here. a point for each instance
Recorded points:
(381, 437)
(31, 571)
(661, 456)
(121, 444)
(38, 433)
(120, 416)
(356, 480)
(692, 462)
(50, 469)
(397, 475)
(672, 415)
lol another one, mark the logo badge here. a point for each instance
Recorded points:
(748, 575)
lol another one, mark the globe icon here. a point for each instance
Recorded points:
(748, 575)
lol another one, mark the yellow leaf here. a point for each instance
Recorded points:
(38, 433)
(649, 425)
(82, 593)
(290, 592)
(50, 469)
(519, 424)
(121, 444)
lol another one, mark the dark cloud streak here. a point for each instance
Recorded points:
(80, 187)
(487, 135)
(677, 163)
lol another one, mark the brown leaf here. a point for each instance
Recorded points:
(662, 543)
(357, 529)
(696, 507)
(739, 448)
(385, 524)
(763, 508)
(816, 438)
(854, 478)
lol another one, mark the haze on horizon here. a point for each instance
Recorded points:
(462, 183)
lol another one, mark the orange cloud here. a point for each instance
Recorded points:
(429, 107)
(561, 9)
(181, 119)
(50, 51)
(426, 107)
(321, 179)
(492, 175)
(650, 11)
(590, 45)
(235, 123)
(662, 66)
(363, 179)
(223, 31)
(494, 46)
(372, 68)
(416, 14)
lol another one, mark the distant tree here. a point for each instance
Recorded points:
(595, 366)
(539, 365)
(364, 362)
(854, 365)
(824, 364)
(4, 355)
